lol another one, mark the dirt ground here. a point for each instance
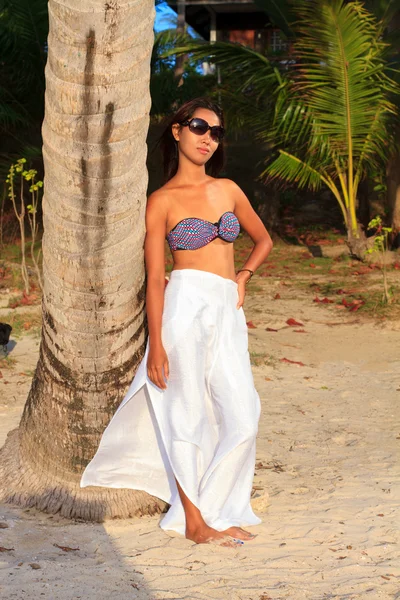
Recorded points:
(326, 481)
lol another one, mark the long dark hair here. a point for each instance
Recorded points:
(169, 146)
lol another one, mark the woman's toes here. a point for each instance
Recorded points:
(230, 542)
(249, 534)
(240, 533)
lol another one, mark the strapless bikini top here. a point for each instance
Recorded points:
(193, 233)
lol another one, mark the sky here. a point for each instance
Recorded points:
(166, 18)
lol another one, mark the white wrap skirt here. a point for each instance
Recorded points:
(202, 428)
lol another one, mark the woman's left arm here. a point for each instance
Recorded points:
(252, 224)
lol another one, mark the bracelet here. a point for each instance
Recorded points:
(250, 271)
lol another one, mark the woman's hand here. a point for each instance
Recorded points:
(241, 279)
(158, 366)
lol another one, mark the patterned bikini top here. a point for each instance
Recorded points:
(193, 233)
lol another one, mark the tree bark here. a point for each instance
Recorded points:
(358, 244)
(393, 197)
(93, 336)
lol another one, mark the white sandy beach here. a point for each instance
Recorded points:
(327, 482)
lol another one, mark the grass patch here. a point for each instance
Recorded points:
(23, 323)
(259, 359)
(29, 372)
(7, 362)
(12, 252)
(10, 268)
(375, 307)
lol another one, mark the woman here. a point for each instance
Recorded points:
(185, 431)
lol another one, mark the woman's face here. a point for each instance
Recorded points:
(197, 148)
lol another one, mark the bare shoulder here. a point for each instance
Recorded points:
(233, 191)
(158, 202)
(229, 186)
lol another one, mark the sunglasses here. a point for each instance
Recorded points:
(200, 127)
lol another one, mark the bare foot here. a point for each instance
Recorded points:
(239, 533)
(207, 535)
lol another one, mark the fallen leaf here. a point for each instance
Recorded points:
(380, 515)
(2, 549)
(312, 265)
(277, 297)
(341, 557)
(333, 549)
(251, 325)
(267, 378)
(384, 577)
(363, 271)
(293, 323)
(292, 362)
(27, 299)
(299, 331)
(66, 548)
(35, 566)
(356, 307)
(270, 329)
(353, 305)
(323, 301)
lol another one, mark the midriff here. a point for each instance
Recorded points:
(216, 257)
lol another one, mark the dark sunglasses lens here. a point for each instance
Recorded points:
(198, 126)
(217, 133)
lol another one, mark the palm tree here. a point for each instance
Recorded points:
(96, 119)
(327, 118)
(337, 110)
(387, 12)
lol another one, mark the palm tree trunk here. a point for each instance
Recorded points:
(94, 132)
(393, 196)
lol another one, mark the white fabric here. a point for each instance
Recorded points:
(202, 428)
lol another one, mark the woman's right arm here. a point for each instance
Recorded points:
(154, 253)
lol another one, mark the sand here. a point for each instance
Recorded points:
(326, 481)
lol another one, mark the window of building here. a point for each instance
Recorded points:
(277, 42)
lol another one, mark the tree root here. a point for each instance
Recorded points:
(21, 485)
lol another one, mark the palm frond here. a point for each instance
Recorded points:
(294, 170)
(341, 74)
(250, 69)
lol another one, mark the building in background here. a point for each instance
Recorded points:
(239, 21)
